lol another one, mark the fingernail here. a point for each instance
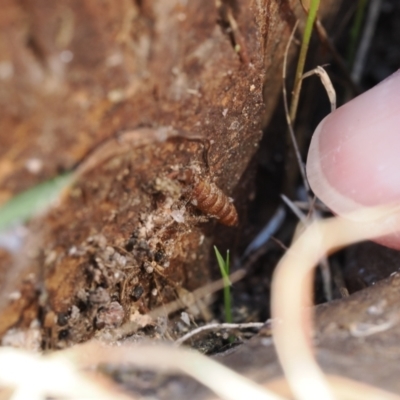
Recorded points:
(354, 157)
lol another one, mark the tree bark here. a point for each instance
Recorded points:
(131, 93)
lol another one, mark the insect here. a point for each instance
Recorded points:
(208, 198)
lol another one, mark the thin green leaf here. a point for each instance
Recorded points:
(312, 14)
(224, 268)
(221, 262)
(26, 204)
(356, 31)
(227, 264)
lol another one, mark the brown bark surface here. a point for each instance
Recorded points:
(355, 337)
(130, 93)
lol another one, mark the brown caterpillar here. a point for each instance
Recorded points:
(209, 199)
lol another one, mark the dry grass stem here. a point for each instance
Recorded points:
(128, 141)
(326, 40)
(194, 332)
(36, 377)
(291, 292)
(330, 91)
(226, 383)
(185, 301)
(304, 222)
(272, 226)
(295, 210)
(287, 113)
(60, 373)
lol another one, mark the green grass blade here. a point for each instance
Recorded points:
(221, 262)
(224, 268)
(312, 14)
(355, 31)
(26, 204)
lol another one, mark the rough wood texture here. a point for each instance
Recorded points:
(79, 74)
(355, 337)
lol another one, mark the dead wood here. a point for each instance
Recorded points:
(79, 77)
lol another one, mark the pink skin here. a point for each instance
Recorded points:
(354, 157)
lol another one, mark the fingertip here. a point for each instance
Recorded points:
(323, 188)
(354, 156)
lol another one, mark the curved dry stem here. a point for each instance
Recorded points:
(218, 326)
(226, 383)
(36, 377)
(61, 373)
(291, 292)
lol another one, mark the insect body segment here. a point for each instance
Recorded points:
(209, 199)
